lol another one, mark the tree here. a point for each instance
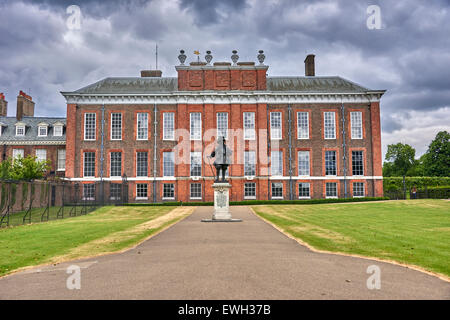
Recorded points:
(400, 159)
(27, 168)
(437, 158)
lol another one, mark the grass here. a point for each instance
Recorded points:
(414, 232)
(107, 229)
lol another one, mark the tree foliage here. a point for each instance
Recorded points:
(399, 160)
(27, 168)
(436, 161)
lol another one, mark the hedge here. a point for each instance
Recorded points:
(257, 202)
(396, 183)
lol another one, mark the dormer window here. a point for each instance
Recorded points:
(42, 129)
(20, 130)
(58, 129)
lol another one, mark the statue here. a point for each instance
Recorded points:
(223, 159)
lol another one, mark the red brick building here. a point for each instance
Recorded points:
(292, 137)
(25, 134)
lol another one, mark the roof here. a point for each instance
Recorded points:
(138, 85)
(31, 130)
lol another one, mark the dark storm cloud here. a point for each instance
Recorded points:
(409, 56)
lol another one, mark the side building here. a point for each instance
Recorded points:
(25, 134)
(295, 137)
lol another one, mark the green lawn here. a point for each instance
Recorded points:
(414, 232)
(107, 229)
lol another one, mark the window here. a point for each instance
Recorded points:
(304, 190)
(249, 163)
(115, 191)
(89, 126)
(302, 125)
(275, 126)
(277, 190)
(196, 126)
(18, 153)
(250, 190)
(57, 131)
(20, 131)
(116, 126)
(357, 163)
(141, 191)
(42, 131)
(168, 126)
(222, 125)
(276, 163)
(196, 164)
(41, 155)
(141, 164)
(89, 164)
(358, 189)
(329, 119)
(356, 125)
(61, 159)
(168, 164)
(303, 163)
(331, 190)
(116, 164)
(89, 191)
(169, 191)
(196, 191)
(249, 126)
(142, 126)
(330, 163)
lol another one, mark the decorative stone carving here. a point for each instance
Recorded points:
(208, 57)
(182, 57)
(261, 57)
(234, 57)
(221, 203)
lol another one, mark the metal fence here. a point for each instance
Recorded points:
(415, 193)
(24, 202)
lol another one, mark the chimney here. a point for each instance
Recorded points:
(151, 73)
(3, 105)
(309, 66)
(25, 106)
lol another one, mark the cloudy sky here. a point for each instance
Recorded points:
(409, 55)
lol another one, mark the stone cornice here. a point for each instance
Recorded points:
(223, 97)
(32, 142)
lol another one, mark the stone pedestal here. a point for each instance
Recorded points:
(221, 203)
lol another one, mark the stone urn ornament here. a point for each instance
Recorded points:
(182, 57)
(261, 56)
(234, 57)
(208, 57)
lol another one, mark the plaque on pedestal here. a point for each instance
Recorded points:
(221, 203)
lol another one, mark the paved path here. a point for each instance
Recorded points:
(246, 260)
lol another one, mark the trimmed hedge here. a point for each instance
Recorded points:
(257, 202)
(396, 183)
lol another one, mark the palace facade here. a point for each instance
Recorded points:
(294, 137)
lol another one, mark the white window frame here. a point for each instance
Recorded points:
(40, 158)
(356, 125)
(301, 128)
(195, 125)
(84, 163)
(249, 125)
(276, 133)
(110, 163)
(59, 162)
(137, 164)
(20, 128)
(337, 191)
(220, 123)
(190, 191)
(250, 160)
(58, 134)
(329, 125)
(363, 190)
(168, 132)
(142, 125)
(18, 152)
(198, 156)
(309, 190)
(114, 129)
(254, 185)
(309, 162)
(169, 198)
(172, 155)
(271, 191)
(279, 162)
(94, 126)
(137, 187)
(39, 131)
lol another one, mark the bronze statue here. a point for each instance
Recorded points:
(223, 159)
